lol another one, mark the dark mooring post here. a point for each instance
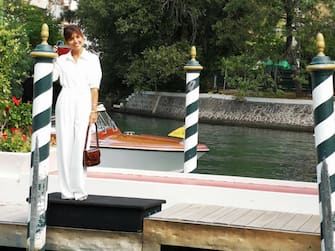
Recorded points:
(193, 69)
(42, 102)
(322, 69)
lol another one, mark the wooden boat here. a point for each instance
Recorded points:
(129, 150)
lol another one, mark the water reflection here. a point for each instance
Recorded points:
(241, 151)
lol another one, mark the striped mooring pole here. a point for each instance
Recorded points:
(322, 69)
(40, 143)
(193, 69)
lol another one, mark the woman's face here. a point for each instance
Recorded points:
(76, 42)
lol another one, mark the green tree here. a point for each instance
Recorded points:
(14, 48)
(20, 32)
(31, 18)
(128, 33)
(159, 67)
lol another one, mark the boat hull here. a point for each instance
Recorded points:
(129, 150)
(140, 159)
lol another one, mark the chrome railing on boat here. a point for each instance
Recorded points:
(104, 120)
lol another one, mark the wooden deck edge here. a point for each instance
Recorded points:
(233, 226)
(14, 235)
(186, 234)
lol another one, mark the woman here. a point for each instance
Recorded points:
(79, 74)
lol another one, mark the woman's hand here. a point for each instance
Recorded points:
(93, 117)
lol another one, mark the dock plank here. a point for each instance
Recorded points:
(296, 222)
(312, 225)
(248, 217)
(263, 219)
(232, 216)
(233, 228)
(215, 215)
(183, 214)
(279, 221)
(169, 212)
(317, 229)
(242, 217)
(196, 215)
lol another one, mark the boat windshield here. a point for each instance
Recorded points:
(105, 121)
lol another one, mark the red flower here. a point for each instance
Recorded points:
(24, 137)
(16, 101)
(16, 130)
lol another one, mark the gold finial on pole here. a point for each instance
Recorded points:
(193, 53)
(44, 50)
(321, 62)
(45, 33)
(320, 44)
(193, 64)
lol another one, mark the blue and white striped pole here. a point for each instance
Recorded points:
(40, 145)
(192, 69)
(322, 69)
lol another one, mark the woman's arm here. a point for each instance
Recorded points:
(94, 111)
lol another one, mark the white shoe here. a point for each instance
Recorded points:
(82, 197)
(63, 197)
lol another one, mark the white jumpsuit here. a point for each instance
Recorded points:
(73, 109)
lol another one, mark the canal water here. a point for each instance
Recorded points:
(240, 151)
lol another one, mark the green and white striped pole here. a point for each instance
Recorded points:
(193, 69)
(322, 69)
(42, 102)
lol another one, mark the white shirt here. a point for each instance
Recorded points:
(86, 72)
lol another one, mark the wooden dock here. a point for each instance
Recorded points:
(226, 228)
(13, 233)
(198, 226)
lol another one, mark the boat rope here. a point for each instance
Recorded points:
(193, 69)
(322, 69)
(40, 142)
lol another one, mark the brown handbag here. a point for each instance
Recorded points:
(91, 157)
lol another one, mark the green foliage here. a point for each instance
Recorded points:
(19, 33)
(15, 125)
(129, 33)
(125, 31)
(20, 29)
(158, 67)
(14, 141)
(15, 114)
(246, 74)
(31, 18)
(20, 116)
(14, 49)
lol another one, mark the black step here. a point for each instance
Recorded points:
(101, 212)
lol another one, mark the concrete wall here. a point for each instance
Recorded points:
(222, 109)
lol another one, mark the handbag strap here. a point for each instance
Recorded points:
(96, 135)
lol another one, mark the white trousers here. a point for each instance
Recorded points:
(72, 117)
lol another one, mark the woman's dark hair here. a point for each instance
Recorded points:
(70, 29)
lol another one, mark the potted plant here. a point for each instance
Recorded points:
(15, 136)
(15, 125)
